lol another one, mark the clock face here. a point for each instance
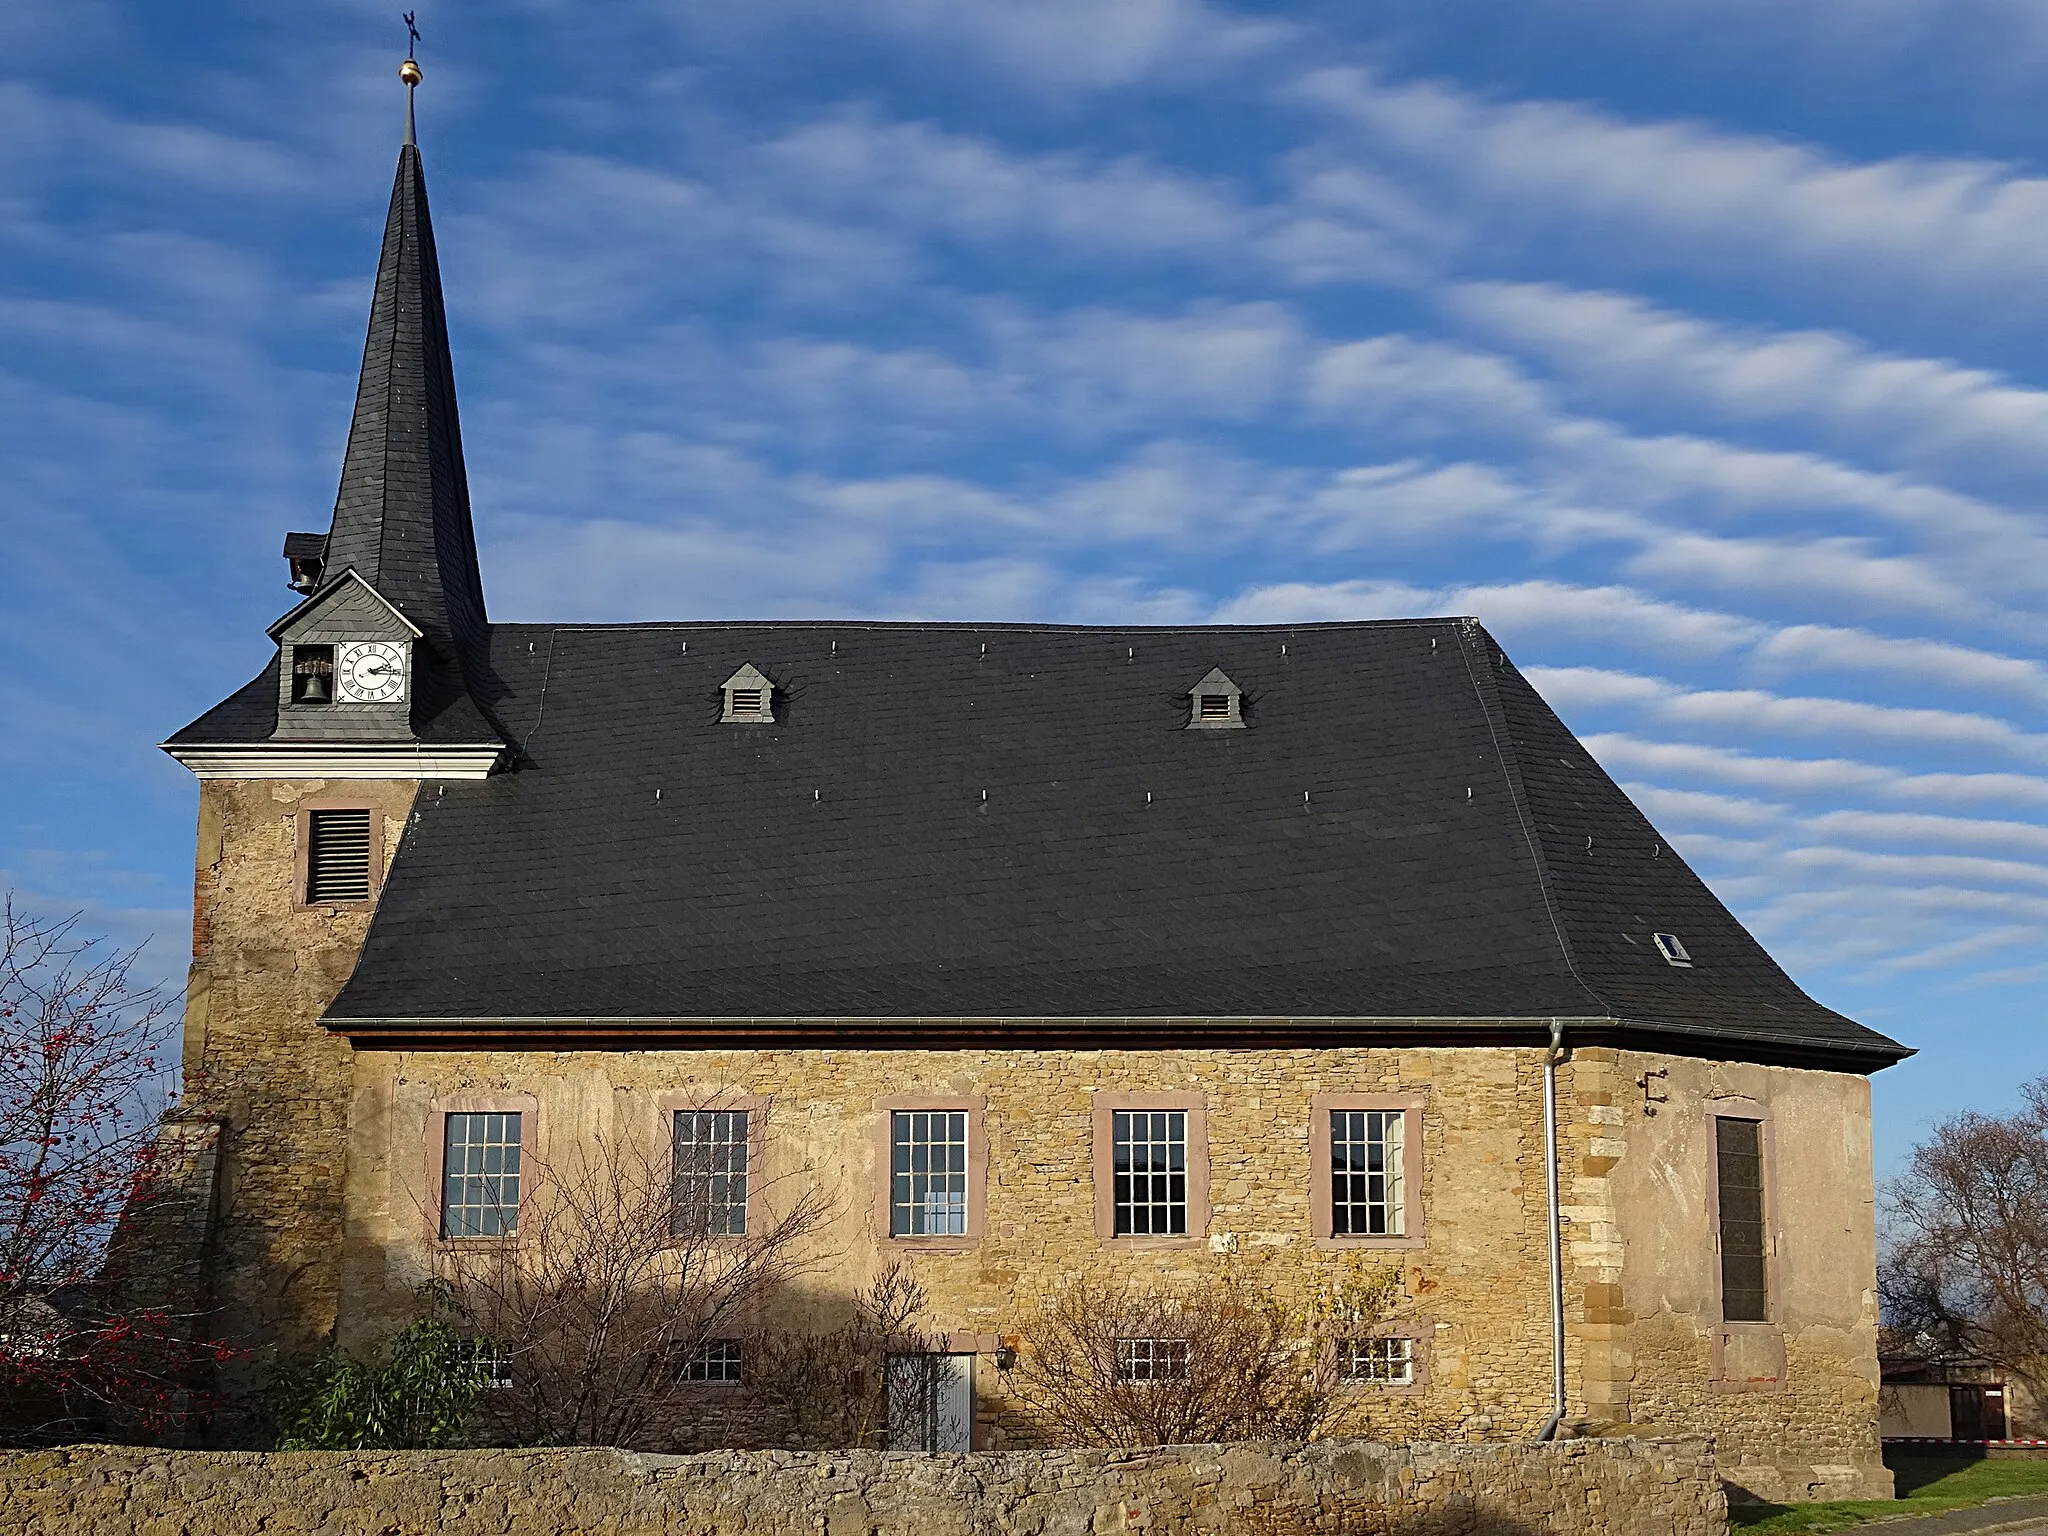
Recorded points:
(371, 672)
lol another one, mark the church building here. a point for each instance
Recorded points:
(1047, 950)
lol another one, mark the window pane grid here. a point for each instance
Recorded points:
(480, 1175)
(1388, 1361)
(1151, 1172)
(1365, 1172)
(710, 1192)
(1739, 1180)
(717, 1364)
(1151, 1359)
(928, 1173)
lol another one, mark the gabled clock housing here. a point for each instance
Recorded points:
(317, 641)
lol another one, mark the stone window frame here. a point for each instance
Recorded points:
(976, 1109)
(302, 860)
(1103, 1166)
(1414, 1108)
(1419, 1331)
(756, 1106)
(527, 1107)
(1731, 1106)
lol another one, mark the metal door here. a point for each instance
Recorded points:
(931, 1402)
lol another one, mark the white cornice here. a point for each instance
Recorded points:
(276, 760)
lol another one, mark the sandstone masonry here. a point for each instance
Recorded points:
(1342, 1488)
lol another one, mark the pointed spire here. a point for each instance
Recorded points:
(401, 517)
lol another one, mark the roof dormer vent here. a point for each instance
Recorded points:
(749, 698)
(1672, 951)
(1217, 704)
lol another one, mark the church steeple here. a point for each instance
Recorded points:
(401, 516)
(384, 670)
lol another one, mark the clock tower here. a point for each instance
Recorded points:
(381, 670)
(379, 687)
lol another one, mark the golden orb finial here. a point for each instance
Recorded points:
(409, 72)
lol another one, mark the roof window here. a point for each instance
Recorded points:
(1672, 951)
(1218, 704)
(749, 698)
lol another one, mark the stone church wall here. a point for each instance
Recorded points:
(258, 1064)
(1793, 1401)
(1584, 1488)
(320, 1223)
(1642, 1344)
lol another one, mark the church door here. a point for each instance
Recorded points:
(931, 1402)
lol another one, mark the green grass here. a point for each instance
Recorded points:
(1927, 1484)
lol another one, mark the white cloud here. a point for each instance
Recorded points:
(1887, 827)
(1914, 868)
(1818, 647)
(1844, 568)
(1511, 610)
(1057, 47)
(1418, 381)
(1300, 602)
(1414, 501)
(1749, 711)
(1830, 777)
(913, 175)
(1627, 349)
(1688, 807)
(1690, 193)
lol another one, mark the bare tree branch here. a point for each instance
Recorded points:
(1965, 1269)
(603, 1296)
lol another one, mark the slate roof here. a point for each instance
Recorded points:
(401, 513)
(998, 824)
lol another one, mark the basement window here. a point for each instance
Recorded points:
(338, 856)
(312, 674)
(716, 1363)
(749, 698)
(1218, 704)
(1150, 1360)
(1672, 951)
(1380, 1361)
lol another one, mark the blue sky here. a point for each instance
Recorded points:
(1695, 347)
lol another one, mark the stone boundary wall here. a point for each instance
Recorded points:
(1332, 1488)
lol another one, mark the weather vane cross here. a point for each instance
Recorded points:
(409, 72)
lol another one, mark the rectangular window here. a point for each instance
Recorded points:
(480, 1175)
(1365, 1172)
(337, 856)
(1151, 1172)
(1381, 1361)
(716, 1364)
(710, 1173)
(928, 1173)
(488, 1360)
(1739, 1182)
(1144, 1360)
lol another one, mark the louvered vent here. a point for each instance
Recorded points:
(749, 697)
(338, 856)
(1218, 704)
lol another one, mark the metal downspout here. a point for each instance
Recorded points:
(1551, 1057)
